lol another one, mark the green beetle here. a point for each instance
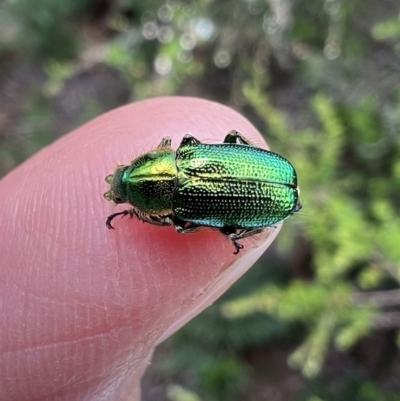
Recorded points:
(234, 187)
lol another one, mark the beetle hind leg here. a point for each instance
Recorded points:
(234, 236)
(237, 246)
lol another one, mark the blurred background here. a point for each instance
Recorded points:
(318, 318)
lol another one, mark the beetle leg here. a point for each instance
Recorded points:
(234, 236)
(189, 140)
(156, 219)
(231, 234)
(249, 232)
(152, 219)
(111, 217)
(298, 207)
(185, 228)
(236, 137)
(165, 143)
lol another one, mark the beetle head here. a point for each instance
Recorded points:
(117, 192)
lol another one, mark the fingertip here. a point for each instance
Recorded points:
(83, 288)
(62, 207)
(63, 200)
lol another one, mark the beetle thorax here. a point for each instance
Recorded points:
(150, 181)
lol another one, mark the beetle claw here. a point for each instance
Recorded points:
(237, 246)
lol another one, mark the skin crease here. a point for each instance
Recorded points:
(83, 307)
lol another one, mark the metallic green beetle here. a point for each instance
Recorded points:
(234, 187)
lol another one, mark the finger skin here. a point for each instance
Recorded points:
(82, 307)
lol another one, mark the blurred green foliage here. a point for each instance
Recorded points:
(321, 79)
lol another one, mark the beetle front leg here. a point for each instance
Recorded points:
(156, 220)
(111, 217)
(236, 137)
